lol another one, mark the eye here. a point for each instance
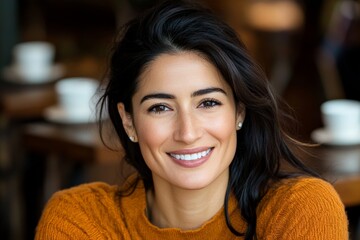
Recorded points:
(158, 108)
(209, 103)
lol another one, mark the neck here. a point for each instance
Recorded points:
(172, 207)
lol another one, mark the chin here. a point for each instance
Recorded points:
(199, 182)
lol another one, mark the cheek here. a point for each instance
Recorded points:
(223, 127)
(225, 132)
(152, 137)
(151, 133)
(225, 135)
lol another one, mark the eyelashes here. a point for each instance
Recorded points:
(210, 103)
(158, 108)
(207, 103)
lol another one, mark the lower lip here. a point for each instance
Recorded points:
(193, 163)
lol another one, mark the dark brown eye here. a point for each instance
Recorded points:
(158, 108)
(209, 103)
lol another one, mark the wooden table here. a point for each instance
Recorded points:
(21, 102)
(340, 165)
(44, 145)
(55, 158)
(79, 144)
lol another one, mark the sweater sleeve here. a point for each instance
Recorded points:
(56, 221)
(306, 208)
(84, 212)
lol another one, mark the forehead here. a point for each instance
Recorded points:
(177, 71)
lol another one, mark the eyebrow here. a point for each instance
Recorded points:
(207, 91)
(194, 94)
(157, 95)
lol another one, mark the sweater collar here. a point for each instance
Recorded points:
(134, 207)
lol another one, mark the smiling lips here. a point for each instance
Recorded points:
(193, 159)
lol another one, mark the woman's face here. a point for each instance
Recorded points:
(184, 119)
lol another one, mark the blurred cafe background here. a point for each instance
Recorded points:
(309, 49)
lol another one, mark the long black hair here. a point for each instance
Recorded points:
(262, 144)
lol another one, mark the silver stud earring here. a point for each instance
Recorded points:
(239, 126)
(132, 138)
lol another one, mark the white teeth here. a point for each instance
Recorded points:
(191, 157)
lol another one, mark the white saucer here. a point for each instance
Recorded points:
(57, 114)
(12, 75)
(323, 136)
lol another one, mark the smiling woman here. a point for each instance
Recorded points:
(200, 124)
(178, 96)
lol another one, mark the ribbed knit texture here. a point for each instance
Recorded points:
(299, 208)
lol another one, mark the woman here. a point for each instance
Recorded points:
(200, 125)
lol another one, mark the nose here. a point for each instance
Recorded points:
(188, 129)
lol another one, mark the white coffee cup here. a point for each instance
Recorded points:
(75, 95)
(341, 118)
(33, 60)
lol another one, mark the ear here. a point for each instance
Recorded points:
(127, 122)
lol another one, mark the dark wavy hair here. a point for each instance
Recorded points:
(262, 144)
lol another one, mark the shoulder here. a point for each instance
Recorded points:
(94, 196)
(85, 193)
(83, 201)
(81, 212)
(303, 188)
(303, 205)
(303, 192)
(92, 211)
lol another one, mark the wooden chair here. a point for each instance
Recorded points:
(349, 191)
(280, 21)
(337, 58)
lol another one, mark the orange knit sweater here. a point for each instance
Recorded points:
(299, 208)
